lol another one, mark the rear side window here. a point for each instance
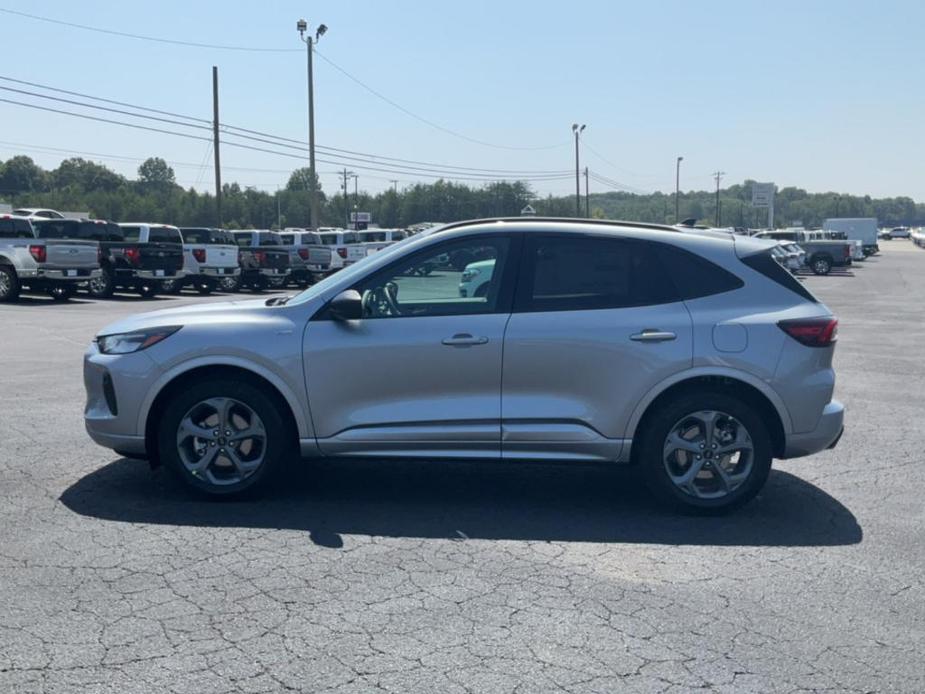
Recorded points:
(195, 235)
(268, 239)
(693, 275)
(15, 229)
(329, 239)
(164, 235)
(287, 239)
(765, 264)
(243, 240)
(588, 273)
(57, 229)
(131, 233)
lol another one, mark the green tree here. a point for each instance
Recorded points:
(155, 173)
(22, 175)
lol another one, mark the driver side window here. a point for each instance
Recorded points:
(457, 278)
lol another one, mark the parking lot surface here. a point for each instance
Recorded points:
(437, 577)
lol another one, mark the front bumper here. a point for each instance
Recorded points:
(113, 422)
(826, 434)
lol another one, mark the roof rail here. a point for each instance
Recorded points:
(566, 220)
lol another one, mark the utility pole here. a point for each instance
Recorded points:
(718, 175)
(577, 130)
(279, 213)
(677, 190)
(356, 202)
(587, 197)
(346, 208)
(394, 183)
(302, 26)
(218, 163)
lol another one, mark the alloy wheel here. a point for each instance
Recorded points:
(6, 285)
(708, 454)
(221, 441)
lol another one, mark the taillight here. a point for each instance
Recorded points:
(38, 253)
(260, 257)
(847, 251)
(199, 254)
(812, 332)
(342, 252)
(303, 253)
(133, 255)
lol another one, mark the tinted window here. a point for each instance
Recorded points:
(398, 235)
(692, 275)
(454, 278)
(243, 240)
(99, 231)
(586, 273)
(269, 239)
(329, 239)
(131, 233)
(57, 229)
(350, 238)
(164, 235)
(311, 239)
(371, 236)
(770, 268)
(15, 229)
(287, 239)
(196, 235)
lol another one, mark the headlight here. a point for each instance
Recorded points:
(469, 274)
(126, 343)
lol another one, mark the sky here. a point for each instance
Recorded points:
(825, 95)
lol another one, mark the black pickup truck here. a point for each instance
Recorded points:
(263, 258)
(130, 265)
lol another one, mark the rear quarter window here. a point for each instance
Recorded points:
(694, 276)
(765, 264)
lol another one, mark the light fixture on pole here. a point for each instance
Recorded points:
(310, 42)
(577, 130)
(677, 190)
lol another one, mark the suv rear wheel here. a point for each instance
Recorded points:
(706, 452)
(223, 437)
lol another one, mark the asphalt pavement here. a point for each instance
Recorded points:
(437, 577)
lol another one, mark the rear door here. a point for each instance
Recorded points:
(420, 374)
(596, 324)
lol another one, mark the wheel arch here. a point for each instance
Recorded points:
(744, 386)
(184, 375)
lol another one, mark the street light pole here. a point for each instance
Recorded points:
(302, 26)
(587, 196)
(577, 130)
(356, 202)
(677, 190)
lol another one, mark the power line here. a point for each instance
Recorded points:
(394, 170)
(142, 37)
(274, 140)
(401, 108)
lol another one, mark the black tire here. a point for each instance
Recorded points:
(62, 292)
(147, 291)
(821, 265)
(9, 284)
(102, 287)
(230, 284)
(650, 455)
(280, 440)
(174, 286)
(205, 287)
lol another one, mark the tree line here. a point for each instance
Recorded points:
(154, 196)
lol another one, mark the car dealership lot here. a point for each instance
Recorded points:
(455, 577)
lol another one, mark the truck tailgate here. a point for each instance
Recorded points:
(73, 254)
(221, 256)
(161, 256)
(318, 255)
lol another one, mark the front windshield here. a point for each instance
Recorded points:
(353, 272)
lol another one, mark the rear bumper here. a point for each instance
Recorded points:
(61, 275)
(164, 274)
(220, 271)
(826, 434)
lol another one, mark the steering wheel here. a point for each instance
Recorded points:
(381, 301)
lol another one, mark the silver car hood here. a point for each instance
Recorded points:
(224, 312)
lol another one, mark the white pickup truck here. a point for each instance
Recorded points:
(209, 257)
(345, 247)
(309, 259)
(55, 266)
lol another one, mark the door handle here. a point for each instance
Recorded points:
(464, 340)
(650, 335)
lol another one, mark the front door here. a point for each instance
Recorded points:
(420, 373)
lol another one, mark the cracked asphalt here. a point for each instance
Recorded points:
(434, 577)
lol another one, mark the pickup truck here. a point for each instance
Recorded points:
(821, 254)
(309, 258)
(263, 258)
(345, 247)
(209, 256)
(42, 265)
(126, 262)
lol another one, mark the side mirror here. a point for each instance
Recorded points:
(348, 305)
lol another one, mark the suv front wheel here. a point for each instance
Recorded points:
(223, 437)
(706, 452)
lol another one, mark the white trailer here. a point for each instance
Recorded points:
(863, 229)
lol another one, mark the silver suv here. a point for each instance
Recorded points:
(695, 356)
